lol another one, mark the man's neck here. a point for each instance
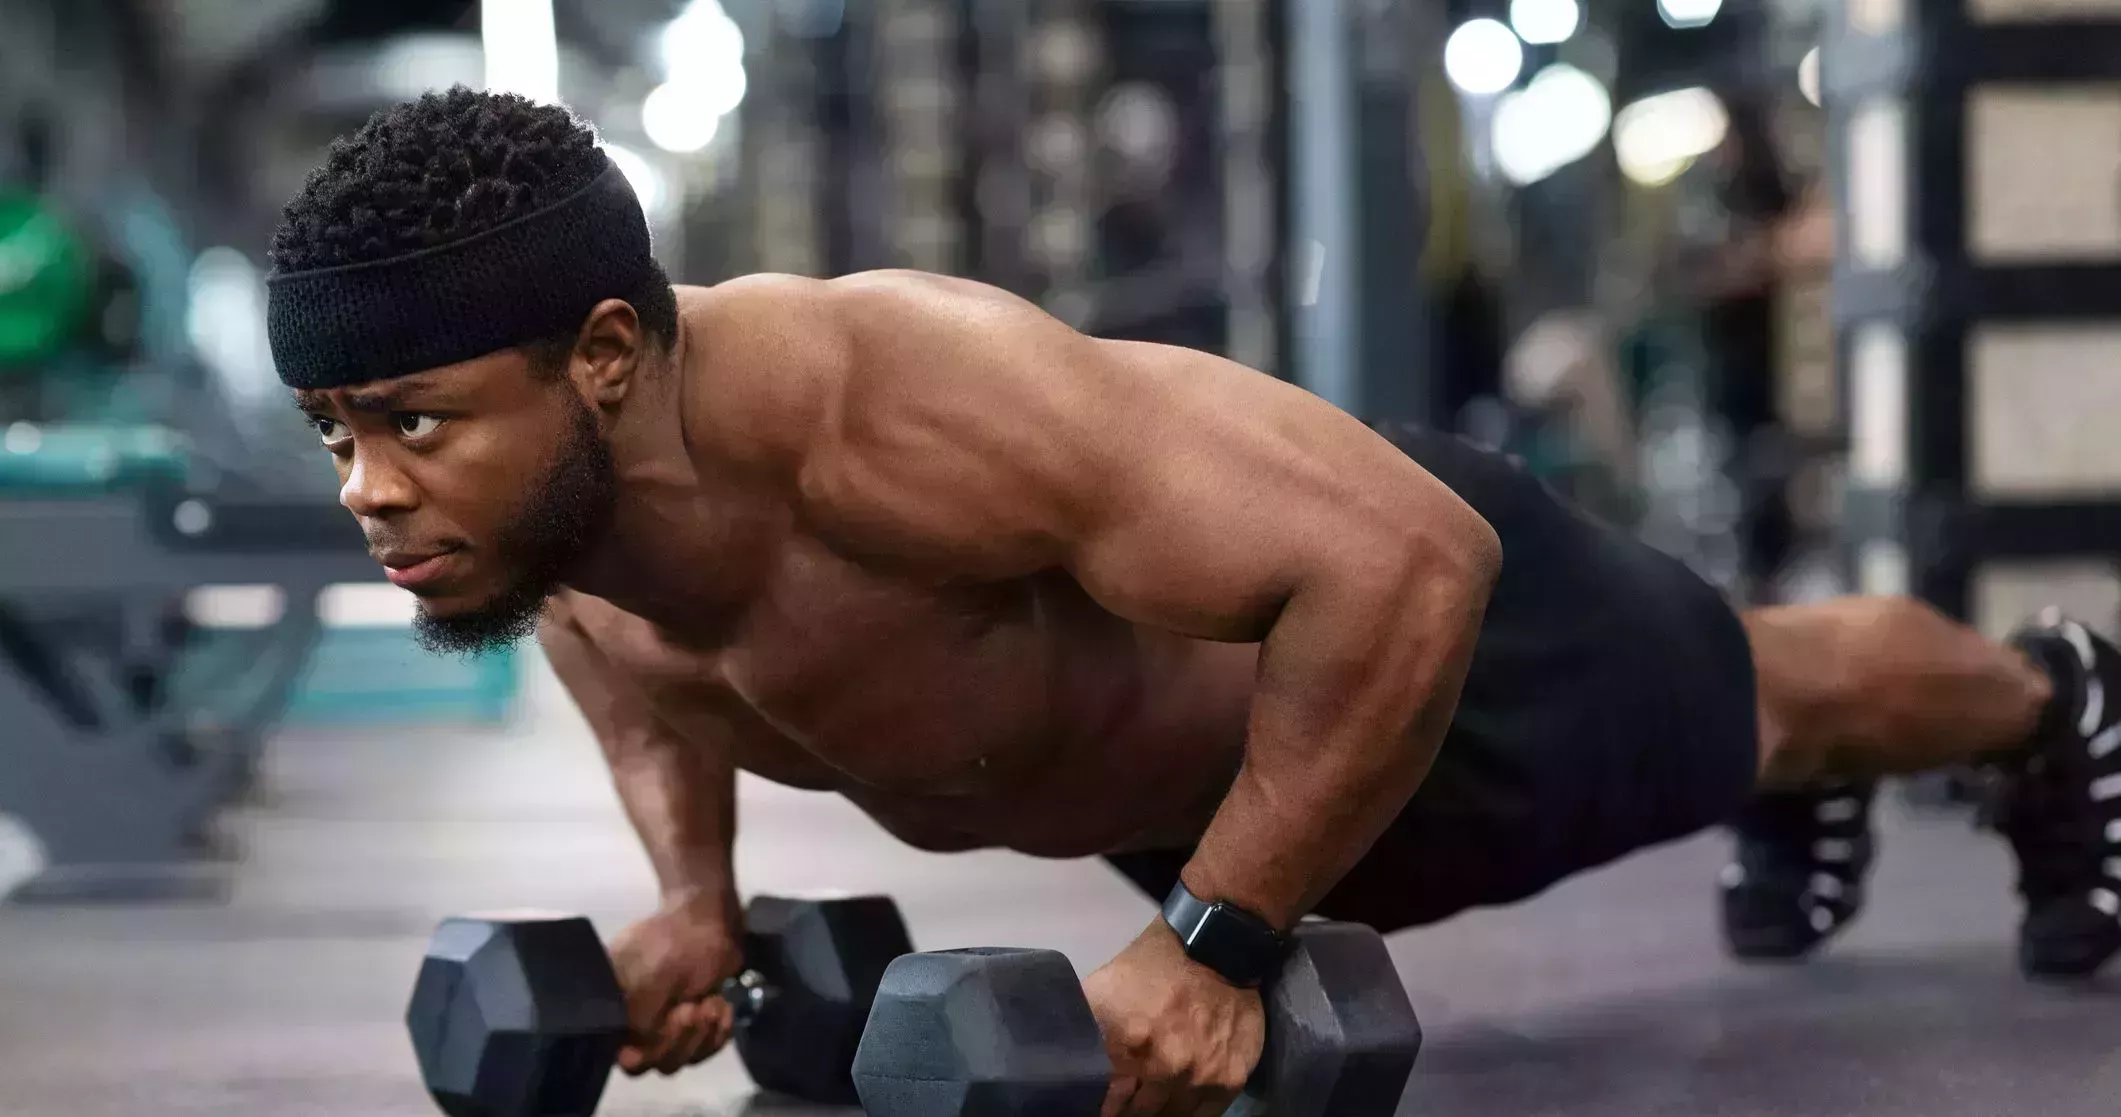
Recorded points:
(683, 546)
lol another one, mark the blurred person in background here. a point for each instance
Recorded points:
(1000, 584)
(1740, 313)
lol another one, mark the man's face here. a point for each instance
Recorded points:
(480, 486)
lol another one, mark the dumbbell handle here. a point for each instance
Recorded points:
(748, 993)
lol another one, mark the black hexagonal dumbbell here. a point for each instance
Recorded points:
(999, 1032)
(522, 1016)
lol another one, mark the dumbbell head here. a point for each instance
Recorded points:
(514, 1016)
(819, 962)
(522, 1016)
(1007, 1033)
(1341, 1034)
(992, 1032)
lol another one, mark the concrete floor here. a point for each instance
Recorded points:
(1607, 997)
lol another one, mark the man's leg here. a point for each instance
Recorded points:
(1858, 688)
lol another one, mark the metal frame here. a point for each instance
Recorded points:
(1929, 65)
(120, 807)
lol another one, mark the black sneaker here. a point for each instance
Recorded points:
(1797, 874)
(2060, 806)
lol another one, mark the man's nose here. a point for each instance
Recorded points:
(374, 487)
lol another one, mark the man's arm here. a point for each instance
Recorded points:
(963, 433)
(679, 795)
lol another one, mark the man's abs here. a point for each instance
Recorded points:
(1022, 717)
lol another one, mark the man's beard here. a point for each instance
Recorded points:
(568, 510)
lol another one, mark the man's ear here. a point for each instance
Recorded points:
(608, 353)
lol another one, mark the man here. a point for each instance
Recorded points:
(1000, 584)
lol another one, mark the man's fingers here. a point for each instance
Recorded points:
(651, 1042)
(688, 1033)
(1117, 1096)
(721, 1024)
(684, 1030)
(1151, 1099)
(697, 1029)
(647, 1003)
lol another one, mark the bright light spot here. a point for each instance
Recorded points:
(1808, 75)
(1658, 137)
(647, 182)
(522, 52)
(224, 318)
(674, 120)
(259, 606)
(703, 68)
(1688, 13)
(700, 39)
(1482, 57)
(366, 605)
(22, 854)
(1556, 119)
(1545, 21)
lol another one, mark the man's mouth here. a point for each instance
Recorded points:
(410, 570)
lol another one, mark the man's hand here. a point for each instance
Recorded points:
(671, 966)
(1182, 1040)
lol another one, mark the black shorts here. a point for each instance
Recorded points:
(1609, 707)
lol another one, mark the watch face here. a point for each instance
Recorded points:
(1234, 944)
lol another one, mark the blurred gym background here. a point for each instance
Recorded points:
(1819, 295)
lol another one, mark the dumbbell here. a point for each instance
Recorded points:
(1002, 1032)
(521, 1015)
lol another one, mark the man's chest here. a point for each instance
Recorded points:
(846, 678)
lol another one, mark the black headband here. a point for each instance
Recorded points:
(532, 277)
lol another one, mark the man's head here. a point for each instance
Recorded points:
(462, 298)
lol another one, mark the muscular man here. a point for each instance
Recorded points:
(909, 539)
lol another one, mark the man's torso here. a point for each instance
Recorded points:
(1017, 714)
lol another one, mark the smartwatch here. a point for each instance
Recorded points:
(1243, 948)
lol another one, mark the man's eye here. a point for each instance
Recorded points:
(328, 430)
(413, 425)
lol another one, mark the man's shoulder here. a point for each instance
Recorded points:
(794, 302)
(769, 358)
(762, 357)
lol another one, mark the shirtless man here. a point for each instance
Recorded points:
(909, 539)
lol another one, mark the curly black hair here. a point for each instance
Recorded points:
(441, 168)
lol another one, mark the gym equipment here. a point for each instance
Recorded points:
(114, 765)
(522, 1015)
(46, 279)
(74, 459)
(1964, 289)
(999, 1032)
(813, 967)
(981, 1032)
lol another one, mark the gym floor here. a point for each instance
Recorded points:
(1607, 997)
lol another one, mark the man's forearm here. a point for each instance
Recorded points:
(681, 798)
(1358, 682)
(679, 793)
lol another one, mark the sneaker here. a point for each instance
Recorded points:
(2060, 805)
(1797, 876)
